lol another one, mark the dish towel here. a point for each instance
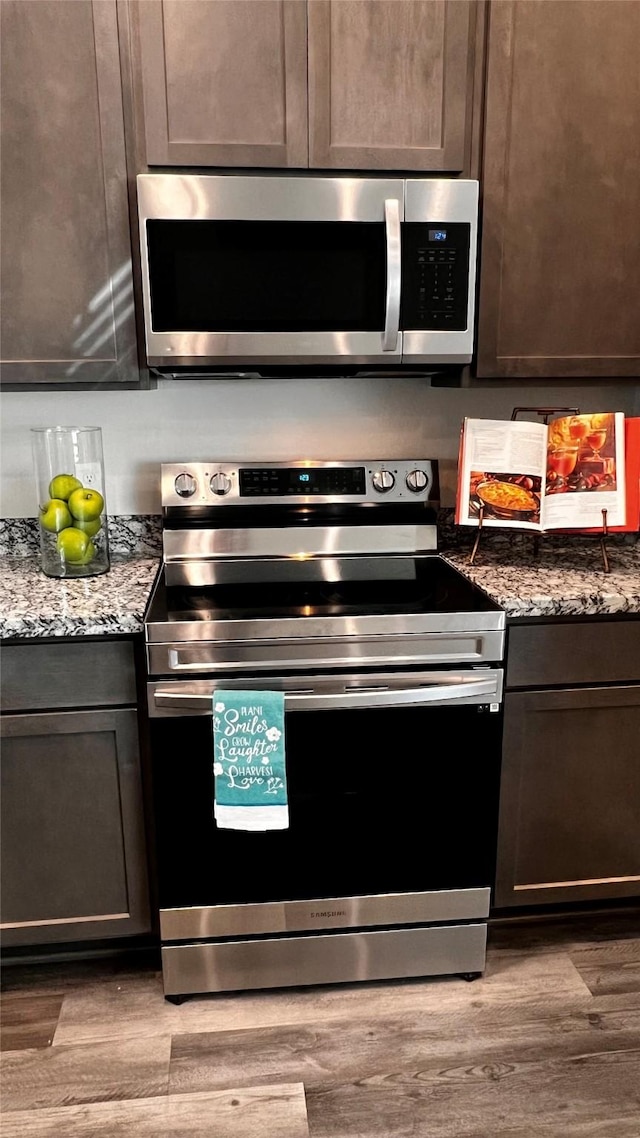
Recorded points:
(250, 781)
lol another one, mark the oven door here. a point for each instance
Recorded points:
(270, 270)
(393, 798)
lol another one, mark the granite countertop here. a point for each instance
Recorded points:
(565, 578)
(33, 605)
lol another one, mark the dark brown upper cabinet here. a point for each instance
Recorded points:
(560, 255)
(328, 84)
(224, 82)
(388, 84)
(67, 293)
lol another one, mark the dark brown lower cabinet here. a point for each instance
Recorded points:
(73, 845)
(569, 825)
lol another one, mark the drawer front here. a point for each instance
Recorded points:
(42, 676)
(575, 653)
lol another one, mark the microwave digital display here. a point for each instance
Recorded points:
(437, 235)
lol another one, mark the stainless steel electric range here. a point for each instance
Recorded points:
(323, 580)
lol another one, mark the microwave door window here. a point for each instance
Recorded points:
(266, 276)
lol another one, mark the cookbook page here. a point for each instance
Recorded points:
(632, 480)
(585, 472)
(501, 473)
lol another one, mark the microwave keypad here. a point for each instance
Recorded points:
(435, 276)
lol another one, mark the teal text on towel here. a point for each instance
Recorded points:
(249, 754)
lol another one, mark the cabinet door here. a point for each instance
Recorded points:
(224, 82)
(67, 294)
(560, 252)
(73, 850)
(388, 84)
(570, 796)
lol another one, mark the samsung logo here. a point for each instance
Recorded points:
(330, 913)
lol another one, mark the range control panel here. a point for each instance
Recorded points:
(435, 276)
(323, 480)
(220, 483)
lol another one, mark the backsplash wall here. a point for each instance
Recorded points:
(275, 419)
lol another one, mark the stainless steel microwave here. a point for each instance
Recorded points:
(259, 272)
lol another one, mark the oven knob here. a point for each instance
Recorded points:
(185, 485)
(416, 480)
(383, 481)
(220, 483)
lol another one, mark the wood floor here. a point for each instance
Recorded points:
(545, 1045)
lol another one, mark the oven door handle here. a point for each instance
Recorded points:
(394, 275)
(456, 689)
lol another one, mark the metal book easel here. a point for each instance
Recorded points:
(544, 413)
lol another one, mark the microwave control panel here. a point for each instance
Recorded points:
(435, 276)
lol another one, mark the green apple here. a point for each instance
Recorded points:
(63, 485)
(75, 547)
(86, 504)
(90, 528)
(55, 516)
(89, 553)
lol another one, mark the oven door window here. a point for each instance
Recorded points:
(266, 276)
(380, 800)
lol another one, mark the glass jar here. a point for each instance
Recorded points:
(72, 516)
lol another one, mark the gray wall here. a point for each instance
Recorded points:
(277, 419)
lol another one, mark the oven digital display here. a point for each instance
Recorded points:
(279, 482)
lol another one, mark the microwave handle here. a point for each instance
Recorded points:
(392, 302)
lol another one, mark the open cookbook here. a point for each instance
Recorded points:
(556, 476)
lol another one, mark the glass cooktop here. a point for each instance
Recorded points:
(421, 585)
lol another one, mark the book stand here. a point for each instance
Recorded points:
(545, 413)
